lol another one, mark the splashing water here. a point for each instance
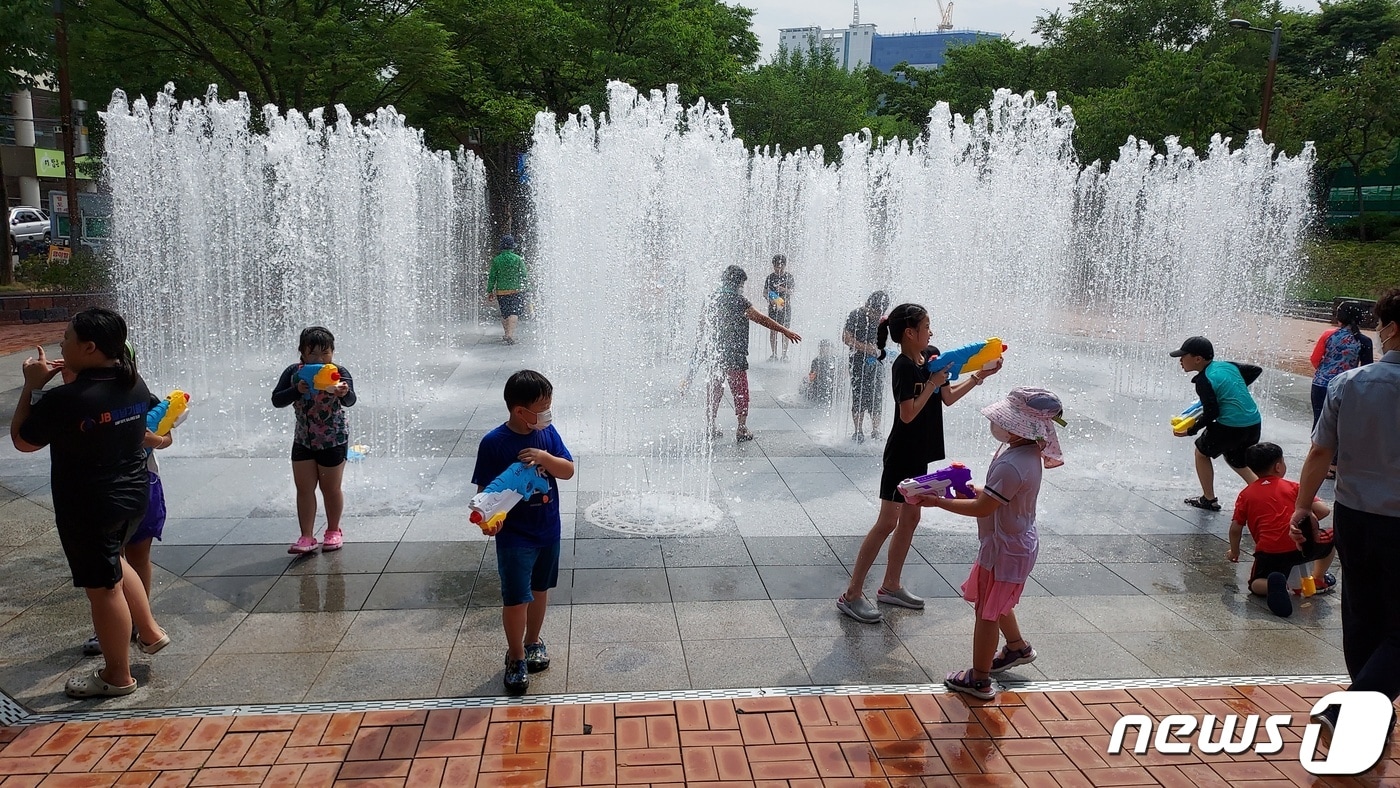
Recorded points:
(228, 241)
(992, 224)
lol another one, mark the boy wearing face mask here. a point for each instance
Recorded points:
(527, 545)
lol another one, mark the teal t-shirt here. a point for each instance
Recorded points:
(1237, 408)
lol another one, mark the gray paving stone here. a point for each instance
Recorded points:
(627, 667)
(357, 558)
(418, 590)
(476, 670)
(331, 593)
(1080, 580)
(691, 551)
(790, 550)
(614, 586)
(177, 559)
(624, 623)
(287, 633)
(431, 557)
(380, 675)
(804, 582)
(235, 678)
(242, 591)
(715, 583)
(617, 554)
(755, 662)
(866, 660)
(243, 560)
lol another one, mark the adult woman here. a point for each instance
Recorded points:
(867, 373)
(95, 427)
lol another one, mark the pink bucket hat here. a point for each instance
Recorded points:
(1031, 413)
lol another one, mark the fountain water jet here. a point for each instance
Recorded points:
(227, 242)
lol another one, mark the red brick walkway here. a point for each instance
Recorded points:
(1033, 739)
(14, 338)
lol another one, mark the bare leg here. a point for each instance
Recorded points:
(112, 621)
(1321, 565)
(332, 494)
(514, 618)
(138, 607)
(885, 524)
(1246, 474)
(899, 545)
(984, 646)
(305, 475)
(1205, 471)
(534, 616)
(858, 418)
(509, 325)
(773, 343)
(138, 555)
(1011, 631)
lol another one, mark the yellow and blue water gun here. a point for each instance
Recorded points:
(167, 415)
(318, 377)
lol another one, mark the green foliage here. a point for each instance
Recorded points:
(1349, 268)
(800, 100)
(26, 45)
(84, 272)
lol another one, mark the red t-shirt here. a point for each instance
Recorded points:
(1265, 507)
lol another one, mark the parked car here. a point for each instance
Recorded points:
(28, 226)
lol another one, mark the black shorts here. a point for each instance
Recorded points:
(782, 316)
(1266, 564)
(865, 386)
(893, 474)
(1218, 439)
(512, 305)
(94, 550)
(326, 458)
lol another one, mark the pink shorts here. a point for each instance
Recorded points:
(993, 598)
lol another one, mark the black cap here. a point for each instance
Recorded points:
(1195, 346)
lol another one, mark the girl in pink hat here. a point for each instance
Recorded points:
(1024, 422)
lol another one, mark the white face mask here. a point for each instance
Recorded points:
(543, 419)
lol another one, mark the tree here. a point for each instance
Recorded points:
(800, 100)
(26, 58)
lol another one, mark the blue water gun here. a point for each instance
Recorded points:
(318, 377)
(968, 358)
(517, 483)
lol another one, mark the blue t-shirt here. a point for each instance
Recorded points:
(1237, 408)
(533, 522)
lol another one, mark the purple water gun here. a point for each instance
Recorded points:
(942, 482)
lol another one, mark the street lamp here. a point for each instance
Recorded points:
(1243, 24)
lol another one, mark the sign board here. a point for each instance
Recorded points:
(59, 254)
(48, 163)
(96, 213)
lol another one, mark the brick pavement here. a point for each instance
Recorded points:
(1051, 739)
(16, 338)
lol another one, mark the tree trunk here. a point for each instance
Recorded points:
(7, 262)
(1360, 207)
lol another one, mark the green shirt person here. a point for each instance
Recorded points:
(505, 285)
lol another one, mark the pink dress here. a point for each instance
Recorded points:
(1009, 541)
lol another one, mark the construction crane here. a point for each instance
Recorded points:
(946, 11)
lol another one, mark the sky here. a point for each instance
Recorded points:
(1013, 18)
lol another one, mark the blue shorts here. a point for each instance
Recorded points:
(524, 569)
(153, 524)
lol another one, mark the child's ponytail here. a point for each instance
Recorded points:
(107, 331)
(882, 335)
(1349, 314)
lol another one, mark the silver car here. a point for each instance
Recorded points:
(28, 226)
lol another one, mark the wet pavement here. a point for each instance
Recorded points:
(1130, 584)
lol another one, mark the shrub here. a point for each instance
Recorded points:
(1350, 268)
(84, 272)
(1379, 226)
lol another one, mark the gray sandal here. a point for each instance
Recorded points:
(93, 685)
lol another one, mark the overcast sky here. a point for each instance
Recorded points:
(1009, 17)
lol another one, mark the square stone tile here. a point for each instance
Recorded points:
(331, 593)
(1051, 614)
(231, 679)
(177, 559)
(687, 551)
(1081, 580)
(1121, 548)
(243, 592)
(478, 670)
(945, 547)
(1185, 654)
(380, 675)
(1167, 578)
(386, 630)
(623, 623)
(487, 593)
(287, 633)
(1128, 614)
(181, 596)
(756, 662)
(771, 518)
(354, 559)
(617, 554)
(243, 560)
(940, 618)
(865, 660)
(804, 582)
(417, 590)
(1198, 549)
(1083, 655)
(437, 557)
(715, 583)
(728, 620)
(819, 618)
(1223, 611)
(197, 530)
(790, 550)
(613, 586)
(1283, 652)
(627, 667)
(956, 574)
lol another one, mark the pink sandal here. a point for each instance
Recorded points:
(302, 545)
(332, 540)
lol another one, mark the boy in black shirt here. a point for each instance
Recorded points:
(777, 288)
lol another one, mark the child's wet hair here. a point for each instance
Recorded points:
(779, 259)
(902, 317)
(878, 301)
(1261, 457)
(526, 387)
(316, 338)
(106, 330)
(734, 276)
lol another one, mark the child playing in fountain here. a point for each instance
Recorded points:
(725, 343)
(1266, 508)
(322, 440)
(1024, 422)
(820, 384)
(1228, 415)
(915, 440)
(527, 544)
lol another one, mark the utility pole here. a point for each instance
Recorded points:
(65, 99)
